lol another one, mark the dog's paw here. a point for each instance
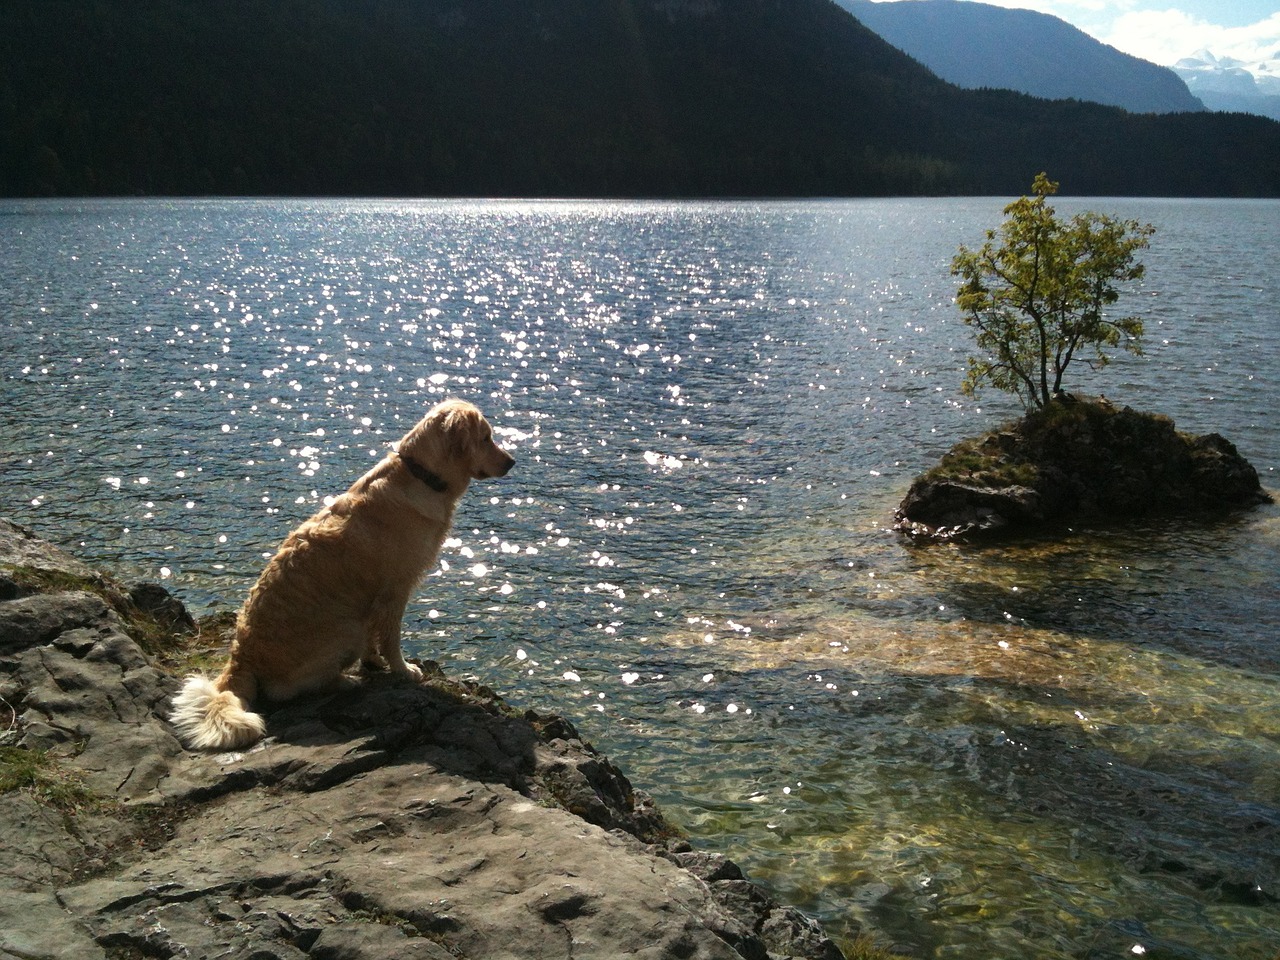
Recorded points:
(412, 671)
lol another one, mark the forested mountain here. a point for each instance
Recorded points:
(549, 98)
(978, 45)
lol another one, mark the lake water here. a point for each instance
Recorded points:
(1053, 750)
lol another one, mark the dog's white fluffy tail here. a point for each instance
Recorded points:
(207, 718)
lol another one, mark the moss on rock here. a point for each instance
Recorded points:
(1076, 460)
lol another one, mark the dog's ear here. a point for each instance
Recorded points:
(463, 427)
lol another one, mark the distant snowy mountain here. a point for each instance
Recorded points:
(980, 45)
(1224, 83)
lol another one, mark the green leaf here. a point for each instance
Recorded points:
(1041, 295)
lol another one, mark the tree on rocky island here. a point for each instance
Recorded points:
(1037, 294)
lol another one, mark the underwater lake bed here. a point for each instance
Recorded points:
(1050, 749)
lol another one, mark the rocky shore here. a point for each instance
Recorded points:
(1077, 460)
(394, 820)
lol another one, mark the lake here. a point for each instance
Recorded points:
(1064, 749)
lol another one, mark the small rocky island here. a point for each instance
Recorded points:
(397, 819)
(1075, 460)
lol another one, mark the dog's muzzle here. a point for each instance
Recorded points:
(487, 472)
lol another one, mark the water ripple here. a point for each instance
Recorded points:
(1041, 750)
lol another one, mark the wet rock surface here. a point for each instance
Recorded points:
(1078, 460)
(393, 819)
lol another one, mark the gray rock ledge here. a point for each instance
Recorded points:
(394, 820)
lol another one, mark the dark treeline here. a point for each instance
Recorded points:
(549, 98)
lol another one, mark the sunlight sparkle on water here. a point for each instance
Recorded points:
(719, 405)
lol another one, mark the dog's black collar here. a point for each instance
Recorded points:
(430, 478)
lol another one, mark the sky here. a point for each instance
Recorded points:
(1165, 31)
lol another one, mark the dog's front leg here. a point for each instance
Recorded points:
(395, 659)
(384, 646)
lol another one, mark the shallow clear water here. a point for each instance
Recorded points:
(1050, 750)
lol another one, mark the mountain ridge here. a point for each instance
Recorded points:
(975, 45)
(550, 98)
(1226, 83)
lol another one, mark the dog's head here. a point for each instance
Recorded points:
(454, 440)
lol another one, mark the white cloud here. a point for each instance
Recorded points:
(1166, 36)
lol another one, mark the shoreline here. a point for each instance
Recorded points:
(426, 820)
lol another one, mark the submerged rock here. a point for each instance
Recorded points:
(395, 819)
(1076, 461)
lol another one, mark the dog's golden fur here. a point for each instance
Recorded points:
(336, 591)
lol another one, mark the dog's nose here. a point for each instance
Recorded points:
(508, 461)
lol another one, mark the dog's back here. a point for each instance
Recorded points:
(335, 592)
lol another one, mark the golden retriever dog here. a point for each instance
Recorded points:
(336, 591)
